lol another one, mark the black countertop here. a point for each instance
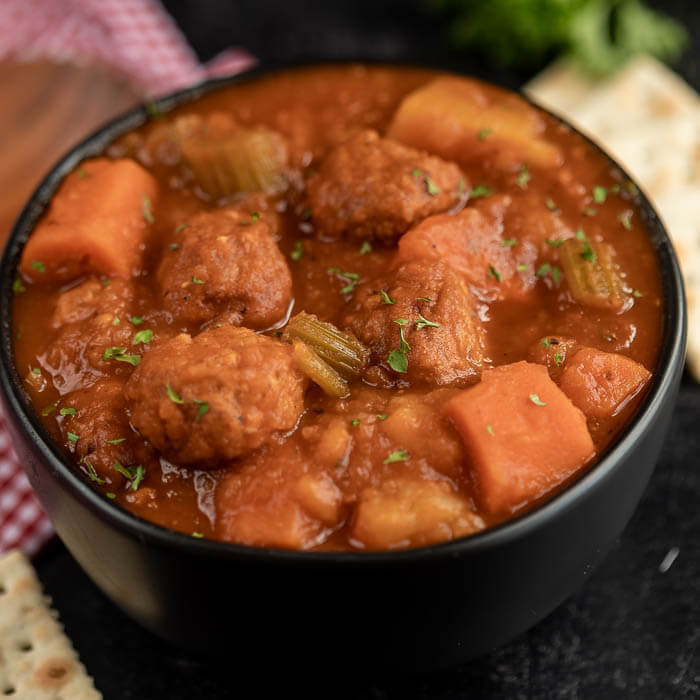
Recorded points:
(633, 631)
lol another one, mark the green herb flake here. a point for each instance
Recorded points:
(115, 321)
(484, 134)
(297, 251)
(254, 216)
(587, 253)
(590, 211)
(352, 278)
(18, 286)
(81, 173)
(365, 248)
(355, 421)
(136, 320)
(92, 474)
(180, 228)
(431, 188)
(626, 220)
(196, 280)
(386, 299)
(401, 321)
(480, 191)
(111, 495)
(306, 214)
(558, 359)
(397, 456)
(509, 242)
(382, 416)
(144, 336)
(172, 395)
(116, 441)
(202, 409)
(106, 282)
(48, 410)
(494, 273)
(398, 360)
(36, 370)
(637, 294)
(173, 246)
(543, 270)
(197, 535)
(423, 322)
(39, 266)
(554, 243)
(549, 203)
(600, 194)
(580, 235)
(428, 299)
(556, 274)
(521, 267)
(68, 411)
(536, 400)
(72, 437)
(545, 343)
(146, 209)
(140, 472)
(489, 429)
(416, 172)
(523, 177)
(119, 353)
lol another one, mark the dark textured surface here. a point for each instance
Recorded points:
(632, 632)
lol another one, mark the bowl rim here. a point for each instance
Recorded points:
(669, 363)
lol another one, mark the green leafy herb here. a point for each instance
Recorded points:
(352, 278)
(254, 216)
(521, 267)
(386, 299)
(416, 172)
(115, 321)
(589, 211)
(554, 243)
(355, 421)
(146, 209)
(626, 220)
(202, 409)
(72, 437)
(423, 322)
(92, 474)
(545, 342)
(401, 321)
(47, 410)
(116, 441)
(489, 429)
(549, 203)
(480, 191)
(558, 359)
(297, 251)
(588, 253)
(494, 273)
(39, 266)
(509, 242)
(398, 360)
(196, 280)
(68, 411)
(536, 400)
(637, 294)
(484, 133)
(523, 176)
(382, 416)
(82, 173)
(397, 456)
(180, 227)
(136, 320)
(556, 274)
(111, 496)
(198, 535)
(580, 235)
(425, 299)
(172, 395)
(600, 194)
(18, 287)
(306, 214)
(173, 246)
(431, 188)
(36, 370)
(106, 282)
(119, 353)
(543, 270)
(144, 336)
(365, 248)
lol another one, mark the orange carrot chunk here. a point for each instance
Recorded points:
(523, 436)
(97, 223)
(601, 383)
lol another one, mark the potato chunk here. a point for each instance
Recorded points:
(406, 512)
(456, 119)
(602, 383)
(522, 434)
(97, 223)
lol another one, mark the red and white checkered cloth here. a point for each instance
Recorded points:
(140, 41)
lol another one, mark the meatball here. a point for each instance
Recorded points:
(437, 314)
(375, 188)
(227, 266)
(216, 396)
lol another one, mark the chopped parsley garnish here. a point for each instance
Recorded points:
(626, 220)
(136, 320)
(119, 353)
(600, 194)
(549, 203)
(36, 370)
(382, 416)
(523, 176)
(82, 173)
(461, 185)
(580, 235)
(545, 342)
(397, 456)
(554, 242)
(254, 216)
(49, 409)
(423, 322)
(134, 474)
(39, 266)
(146, 209)
(116, 441)
(111, 496)
(198, 535)
(398, 361)
(484, 134)
(68, 411)
(494, 273)
(115, 321)
(365, 248)
(416, 172)
(172, 395)
(106, 282)
(202, 408)
(297, 251)
(18, 287)
(558, 359)
(588, 253)
(425, 299)
(480, 191)
(173, 246)
(72, 437)
(92, 474)
(521, 267)
(589, 211)
(386, 299)
(181, 227)
(536, 400)
(352, 279)
(196, 280)
(543, 270)
(306, 214)
(637, 294)
(556, 274)
(143, 336)
(431, 188)
(489, 429)
(355, 421)
(401, 321)
(509, 242)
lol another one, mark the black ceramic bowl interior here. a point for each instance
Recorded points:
(408, 610)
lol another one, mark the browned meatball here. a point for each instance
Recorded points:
(227, 265)
(370, 187)
(216, 396)
(437, 314)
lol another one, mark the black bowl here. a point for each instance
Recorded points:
(411, 610)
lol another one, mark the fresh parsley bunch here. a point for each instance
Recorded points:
(600, 34)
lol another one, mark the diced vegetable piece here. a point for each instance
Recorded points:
(97, 223)
(226, 158)
(319, 371)
(405, 511)
(601, 383)
(448, 115)
(591, 274)
(342, 351)
(523, 435)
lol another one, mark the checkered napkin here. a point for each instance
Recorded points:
(138, 40)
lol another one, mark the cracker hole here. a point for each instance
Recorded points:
(9, 690)
(56, 672)
(2, 589)
(25, 646)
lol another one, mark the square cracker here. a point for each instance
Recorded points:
(37, 660)
(648, 119)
